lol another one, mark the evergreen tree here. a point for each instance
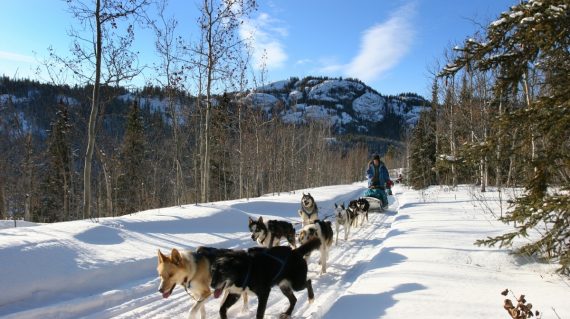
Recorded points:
(532, 37)
(131, 181)
(422, 153)
(56, 186)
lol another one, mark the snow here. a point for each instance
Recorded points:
(261, 100)
(498, 22)
(68, 100)
(8, 223)
(369, 106)
(275, 86)
(335, 90)
(4, 98)
(415, 261)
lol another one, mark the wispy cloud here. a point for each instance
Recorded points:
(265, 35)
(16, 57)
(382, 46)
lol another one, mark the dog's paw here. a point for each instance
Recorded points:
(284, 316)
(311, 300)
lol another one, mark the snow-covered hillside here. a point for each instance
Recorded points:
(346, 104)
(415, 261)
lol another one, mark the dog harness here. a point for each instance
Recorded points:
(279, 260)
(315, 211)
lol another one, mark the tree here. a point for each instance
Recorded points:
(422, 152)
(102, 58)
(532, 38)
(133, 170)
(217, 51)
(58, 184)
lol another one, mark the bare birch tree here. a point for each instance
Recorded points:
(101, 55)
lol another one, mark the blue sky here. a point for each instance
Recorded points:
(392, 45)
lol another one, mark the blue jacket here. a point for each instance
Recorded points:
(383, 175)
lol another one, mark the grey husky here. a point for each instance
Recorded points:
(309, 211)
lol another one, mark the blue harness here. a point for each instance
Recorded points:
(280, 261)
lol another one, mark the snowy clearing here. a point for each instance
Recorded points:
(415, 261)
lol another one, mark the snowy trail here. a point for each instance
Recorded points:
(416, 257)
(346, 263)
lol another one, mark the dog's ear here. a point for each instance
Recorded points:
(309, 194)
(161, 257)
(250, 220)
(176, 257)
(260, 219)
(335, 205)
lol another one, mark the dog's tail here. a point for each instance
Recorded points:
(308, 246)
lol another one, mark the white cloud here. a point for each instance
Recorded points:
(16, 57)
(265, 35)
(382, 47)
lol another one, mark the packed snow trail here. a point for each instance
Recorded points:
(415, 261)
(346, 262)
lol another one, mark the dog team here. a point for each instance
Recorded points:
(235, 273)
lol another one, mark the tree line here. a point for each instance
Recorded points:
(107, 152)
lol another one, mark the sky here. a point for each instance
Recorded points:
(394, 46)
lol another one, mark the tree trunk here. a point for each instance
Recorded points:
(92, 117)
(498, 171)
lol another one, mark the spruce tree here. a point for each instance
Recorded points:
(56, 186)
(422, 153)
(532, 37)
(132, 178)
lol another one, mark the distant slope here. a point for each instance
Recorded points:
(349, 105)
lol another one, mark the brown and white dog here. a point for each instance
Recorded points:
(191, 270)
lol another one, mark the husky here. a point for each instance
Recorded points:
(309, 211)
(363, 207)
(323, 231)
(353, 211)
(343, 217)
(259, 269)
(269, 234)
(191, 270)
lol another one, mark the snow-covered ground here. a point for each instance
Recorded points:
(415, 261)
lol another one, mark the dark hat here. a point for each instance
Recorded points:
(376, 157)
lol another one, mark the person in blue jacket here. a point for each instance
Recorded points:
(378, 176)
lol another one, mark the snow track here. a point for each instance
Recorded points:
(108, 279)
(347, 261)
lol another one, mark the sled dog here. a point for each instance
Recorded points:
(323, 231)
(269, 234)
(309, 211)
(260, 268)
(343, 218)
(353, 211)
(191, 270)
(363, 207)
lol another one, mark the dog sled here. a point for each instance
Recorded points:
(377, 198)
(375, 204)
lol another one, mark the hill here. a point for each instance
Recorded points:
(349, 105)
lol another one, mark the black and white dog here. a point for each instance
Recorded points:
(352, 210)
(363, 207)
(323, 231)
(257, 270)
(270, 234)
(344, 219)
(309, 211)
